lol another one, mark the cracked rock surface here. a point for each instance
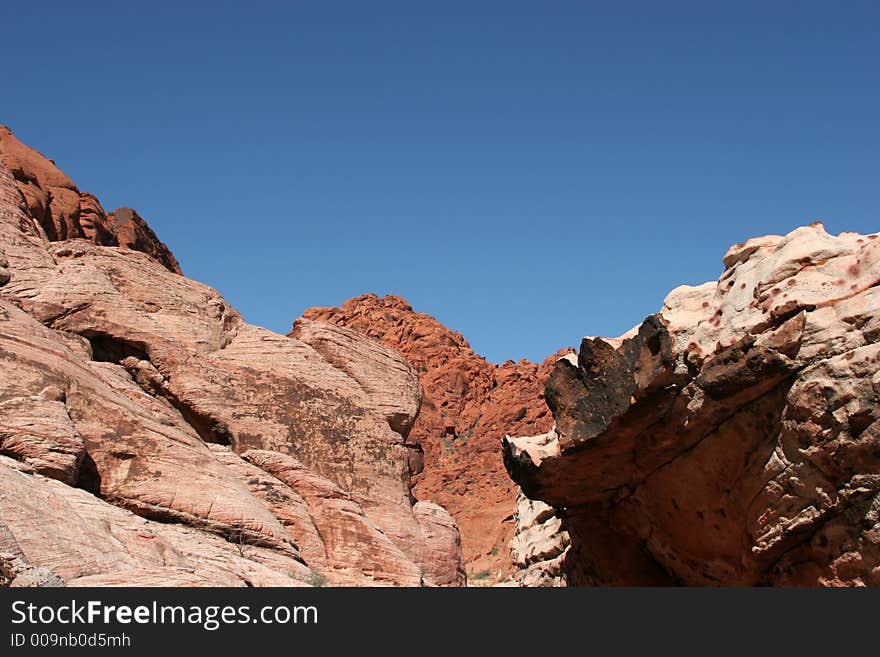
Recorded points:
(731, 439)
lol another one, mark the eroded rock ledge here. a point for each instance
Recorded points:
(732, 438)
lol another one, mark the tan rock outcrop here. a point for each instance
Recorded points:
(39, 432)
(87, 542)
(442, 538)
(540, 544)
(142, 392)
(733, 438)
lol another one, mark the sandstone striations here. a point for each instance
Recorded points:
(732, 439)
(469, 405)
(149, 436)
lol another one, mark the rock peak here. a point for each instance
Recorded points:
(63, 211)
(469, 405)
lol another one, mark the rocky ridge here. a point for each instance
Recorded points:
(731, 439)
(150, 436)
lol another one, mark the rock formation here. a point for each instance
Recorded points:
(149, 436)
(63, 212)
(469, 405)
(732, 439)
(540, 544)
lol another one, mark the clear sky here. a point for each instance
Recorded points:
(527, 172)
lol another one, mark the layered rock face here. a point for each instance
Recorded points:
(149, 436)
(540, 544)
(62, 211)
(469, 405)
(732, 439)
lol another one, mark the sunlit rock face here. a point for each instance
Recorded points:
(61, 211)
(150, 436)
(733, 437)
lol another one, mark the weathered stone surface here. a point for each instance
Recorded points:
(354, 545)
(4, 268)
(469, 404)
(15, 571)
(36, 577)
(442, 538)
(357, 551)
(87, 542)
(139, 453)
(540, 544)
(733, 439)
(285, 503)
(383, 373)
(39, 432)
(145, 390)
(61, 211)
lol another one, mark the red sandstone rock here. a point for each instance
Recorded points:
(469, 404)
(64, 212)
(734, 437)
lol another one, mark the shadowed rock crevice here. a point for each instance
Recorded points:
(209, 428)
(133, 357)
(602, 555)
(88, 477)
(109, 349)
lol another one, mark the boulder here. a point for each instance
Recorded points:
(732, 438)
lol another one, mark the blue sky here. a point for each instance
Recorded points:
(527, 172)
